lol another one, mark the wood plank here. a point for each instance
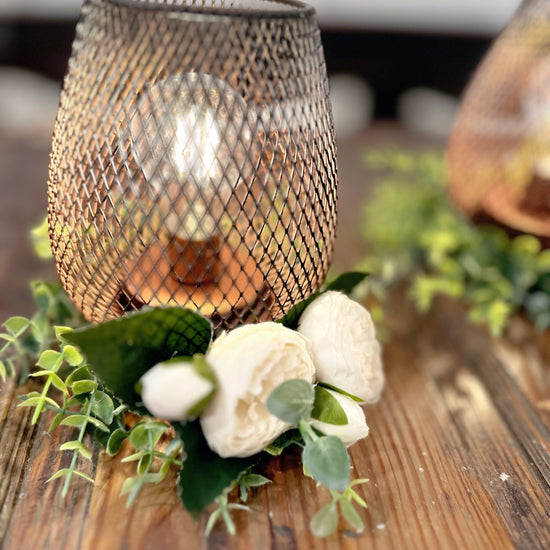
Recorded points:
(440, 439)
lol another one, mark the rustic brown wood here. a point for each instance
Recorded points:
(458, 456)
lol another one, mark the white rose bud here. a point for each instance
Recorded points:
(344, 346)
(349, 433)
(178, 389)
(250, 362)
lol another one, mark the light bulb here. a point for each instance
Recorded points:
(191, 136)
(189, 141)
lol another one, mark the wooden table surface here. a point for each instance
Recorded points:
(458, 455)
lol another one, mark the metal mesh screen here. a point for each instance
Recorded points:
(499, 150)
(193, 159)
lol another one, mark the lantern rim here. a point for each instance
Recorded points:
(289, 9)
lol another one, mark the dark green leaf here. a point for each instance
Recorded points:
(123, 350)
(327, 460)
(325, 521)
(327, 408)
(340, 390)
(204, 475)
(285, 440)
(347, 282)
(292, 317)
(291, 401)
(115, 442)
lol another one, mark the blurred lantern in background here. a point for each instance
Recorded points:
(499, 150)
(193, 159)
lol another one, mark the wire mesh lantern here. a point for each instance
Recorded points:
(193, 159)
(499, 150)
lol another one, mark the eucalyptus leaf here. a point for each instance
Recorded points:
(326, 408)
(325, 521)
(291, 401)
(351, 516)
(328, 462)
(123, 350)
(204, 475)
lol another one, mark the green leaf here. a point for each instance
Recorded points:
(325, 521)
(328, 462)
(347, 282)
(115, 442)
(56, 421)
(122, 351)
(50, 359)
(17, 324)
(54, 379)
(71, 354)
(103, 407)
(83, 386)
(292, 317)
(77, 446)
(147, 433)
(290, 437)
(204, 474)
(291, 401)
(82, 373)
(41, 240)
(326, 408)
(340, 390)
(3, 371)
(351, 516)
(69, 471)
(80, 420)
(33, 401)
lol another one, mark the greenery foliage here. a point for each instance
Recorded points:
(89, 379)
(414, 234)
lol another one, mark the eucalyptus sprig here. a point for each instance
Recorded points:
(324, 458)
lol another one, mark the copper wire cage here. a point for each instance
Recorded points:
(499, 150)
(193, 159)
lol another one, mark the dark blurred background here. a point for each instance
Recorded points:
(395, 66)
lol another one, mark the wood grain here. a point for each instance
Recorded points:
(457, 458)
(458, 455)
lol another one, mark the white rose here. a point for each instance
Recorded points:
(177, 389)
(250, 362)
(344, 346)
(349, 433)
